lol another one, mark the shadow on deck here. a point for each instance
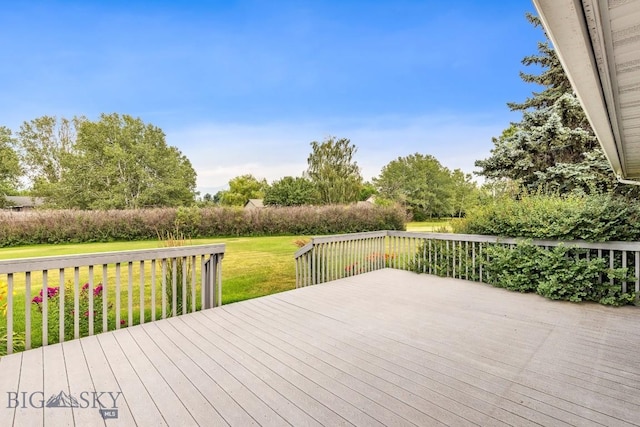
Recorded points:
(383, 348)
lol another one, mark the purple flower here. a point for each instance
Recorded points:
(37, 299)
(85, 286)
(98, 290)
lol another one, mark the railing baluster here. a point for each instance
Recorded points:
(219, 281)
(61, 291)
(141, 291)
(193, 285)
(174, 286)
(118, 301)
(90, 297)
(637, 270)
(10, 313)
(624, 265)
(164, 288)
(130, 293)
(45, 308)
(105, 296)
(27, 309)
(76, 302)
(184, 285)
(153, 290)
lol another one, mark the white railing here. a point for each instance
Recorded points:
(79, 295)
(335, 257)
(460, 256)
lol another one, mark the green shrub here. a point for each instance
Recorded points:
(560, 273)
(592, 218)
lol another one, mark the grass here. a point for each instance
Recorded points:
(252, 267)
(433, 225)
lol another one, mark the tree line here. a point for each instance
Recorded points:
(418, 182)
(119, 162)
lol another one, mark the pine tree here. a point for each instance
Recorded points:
(553, 148)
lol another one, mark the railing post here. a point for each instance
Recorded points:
(208, 286)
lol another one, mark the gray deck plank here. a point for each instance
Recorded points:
(475, 410)
(469, 392)
(343, 401)
(218, 370)
(347, 387)
(81, 385)
(165, 398)
(10, 367)
(31, 381)
(499, 381)
(337, 411)
(281, 395)
(55, 382)
(103, 378)
(334, 363)
(383, 348)
(183, 354)
(197, 405)
(143, 408)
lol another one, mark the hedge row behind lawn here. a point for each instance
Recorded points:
(72, 226)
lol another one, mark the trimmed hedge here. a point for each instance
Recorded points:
(591, 218)
(71, 226)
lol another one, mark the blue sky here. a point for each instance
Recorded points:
(245, 86)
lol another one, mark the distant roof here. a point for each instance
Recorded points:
(24, 201)
(598, 43)
(258, 203)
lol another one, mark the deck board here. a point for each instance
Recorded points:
(383, 348)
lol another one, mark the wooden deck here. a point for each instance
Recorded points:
(384, 348)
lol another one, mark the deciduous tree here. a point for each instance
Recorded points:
(10, 170)
(43, 144)
(420, 183)
(290, 191)
(119, 162)
(243, 188)
(333, 171)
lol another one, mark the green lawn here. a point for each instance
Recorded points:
(433, 225)
(252, 266)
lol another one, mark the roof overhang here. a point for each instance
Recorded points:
(598, 43)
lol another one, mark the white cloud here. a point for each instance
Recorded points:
(221, 151)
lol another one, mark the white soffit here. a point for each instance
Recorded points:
(598, 43)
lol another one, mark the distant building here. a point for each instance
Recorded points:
(369, 202)
(254, 204)
(23, 203)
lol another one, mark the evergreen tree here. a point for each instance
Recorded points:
(553, 147)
